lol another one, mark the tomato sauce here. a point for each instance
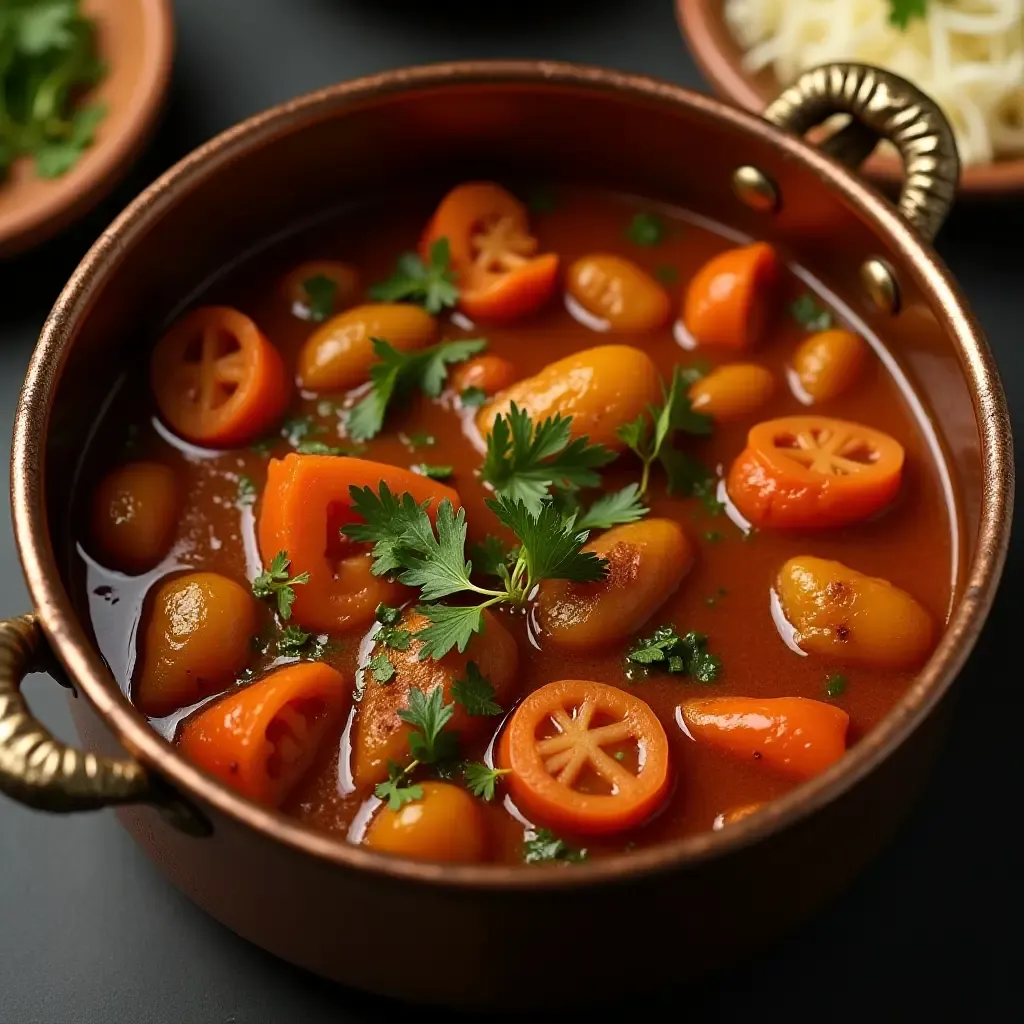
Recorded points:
(728, 594)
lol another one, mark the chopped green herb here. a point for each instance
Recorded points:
(613, 509)
(475, 693)
(381, 668)
(275, 582)
(545, 847)
(620, 755)
(428, 715)
(542, 199)
(300, 429)
(472, 397)
(666, 273)
(398, 791)
(292, 640)
(835, 685)
(902, 12)
(320, 291)
(397, 373)
(420, 439)
(646, 229)
(246, 490)
(430, 285)
(490, 556)
(321, 448)
(807, 312)
(481, 780)
(433, 472)
(525, 460)
(388, 634)
(667, 651)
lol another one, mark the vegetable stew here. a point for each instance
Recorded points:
(530, 528)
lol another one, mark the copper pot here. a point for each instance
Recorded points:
(489, 934)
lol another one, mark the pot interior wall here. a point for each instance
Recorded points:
(344, 150)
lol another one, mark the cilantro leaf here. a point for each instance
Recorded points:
(438, 564)
(431, 285)
(292, 640)
(397, 373)
(545, 846)
(806, 311)
(246, 491)
(450, 627)
(689, 478)
(381, 668)
(320, 294)
(472, 397)
(902, 12)
(52, 159)
(387, 520)
(524, 460)
(433, 472)
(322, 448)
(475, 693)
(428, 715)
(299, 429)
(274, 582)
(482, 781)
(613, 509)
(646, 229)
(667, 651)
(397, 791)
(388, 633)
(490, 556)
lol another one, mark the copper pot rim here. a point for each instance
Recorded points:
(79, 657)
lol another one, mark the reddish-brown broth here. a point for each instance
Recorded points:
(726, 595)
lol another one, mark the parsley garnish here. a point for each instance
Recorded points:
(48, 58)
(902, 12)
(475, 693)
(398, 790)
(667, 651)
(431, 286)
(292, 639)
(835, 685)
(652, 445)
(806, 311)
(434, 472)
(299, 429)
(381, 668)
(388, 633)
(613, 509)
(525, 460)
(481, 781)
(404, 539)
(472, 397)
(646, 229)
(320, 291)
(545, 846)
(490, 556)
(399, 372)
(276, 583)
(322, 448)
(246, 490)
(420, 439)
(428, 715)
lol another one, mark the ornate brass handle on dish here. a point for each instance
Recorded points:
(40, 771)
(881, 106)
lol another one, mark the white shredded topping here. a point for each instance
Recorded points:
(968, 55)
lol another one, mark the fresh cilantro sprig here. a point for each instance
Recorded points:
(428, 715)
(398, 373)
(525, 460)
(482, 781)
(491, 556)
(476, 693)
(806, 312)
(650, 434)
(292, 640)
(48, 58)
(405, 544)
(389, 633)
(274, 582)
(430, 285)
(613, 509)
(902, 12)
(545, 847)
(667, 651)
(398, 790)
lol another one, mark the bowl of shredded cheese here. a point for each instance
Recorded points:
(968, 55)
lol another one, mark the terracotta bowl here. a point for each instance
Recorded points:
(136, 39)
(521, 936)
(720, 58)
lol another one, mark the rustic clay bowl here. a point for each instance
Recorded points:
(520, 936)
(720, 58)
(136, 39)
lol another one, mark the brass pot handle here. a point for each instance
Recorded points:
(882, 106)
(40, 771)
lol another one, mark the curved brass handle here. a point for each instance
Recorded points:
(40, 771)
(882, 106)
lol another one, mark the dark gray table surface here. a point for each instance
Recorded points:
(90, 934)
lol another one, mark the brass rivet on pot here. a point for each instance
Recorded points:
(879, 281)
(755, 189)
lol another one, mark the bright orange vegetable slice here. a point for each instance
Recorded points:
(492, 252)
(794, 736)
(812, 471)
(262, 739)
(217, 380)
(557, 745)
(728, 301)
(305, 503)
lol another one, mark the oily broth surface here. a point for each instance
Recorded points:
(911, 544)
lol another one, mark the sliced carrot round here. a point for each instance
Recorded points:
(586, 757)
(217, 380)
(262, 739)
(492, 252)
(812, 471)
(794, 736)
(305, 504)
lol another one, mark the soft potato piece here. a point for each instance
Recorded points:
(380, 735)
(620, 292)
(733, 391)
(829, 362)
(600, 388)
(134, 512)
(647, 561)
(338, 355)
(444, 825)
(851, 618)
(197, 641)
